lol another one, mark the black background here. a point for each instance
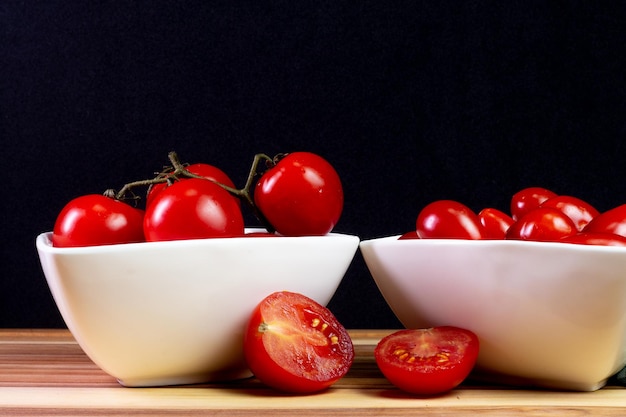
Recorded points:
(410, 101)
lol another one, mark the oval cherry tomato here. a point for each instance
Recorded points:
(610, 221)
(542, 224)
(600, 239)
(448, 219)
(205, 170)
(576, 209)
(193, 209)
(528, 199)
(294, 344)
(94, 219)
(494, 222)
(427, 361)
(300, 195)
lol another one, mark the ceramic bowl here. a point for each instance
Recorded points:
(547, 314)
(168, 313)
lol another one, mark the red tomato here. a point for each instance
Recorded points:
(611, 221)
(528, 199)
(601, 239)
(447, 219)
(494, 222)
(94, 219)
(576, 209)
(300, 195)
(193, 209)
(294, 344)
(542, 224)
(427, 361)
(207, 171)
(409, 235)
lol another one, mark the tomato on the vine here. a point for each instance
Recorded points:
(610, 221)
(542, 224)
(193, 209)
(528, 199)
(301, 195)
(494, 222)
(294, 344)
(427, 361)
(448, 219)
(95, 219)
(576, 209)
(205, 170)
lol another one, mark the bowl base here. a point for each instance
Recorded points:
(501, 379)
(222, 376)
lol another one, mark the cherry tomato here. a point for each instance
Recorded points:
(300, 195)
(294, 344)
(409, 235)
(448, 219)
(94, 219)
(427, 361)
(590, 238)
(576, 209)
(542, 224)
(494, 222)
(528, 199)
(205, 170)
(193, 209)
(610, 221)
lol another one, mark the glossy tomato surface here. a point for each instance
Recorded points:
(427, 361)
(610, 221)
(542, 224)
(576, 209)
(294, 344)
(590, 238)
(93, 220)
(528, 199)
(495, 222)
(448, 219)
(205, 170)
(193, 209)
(301, 195)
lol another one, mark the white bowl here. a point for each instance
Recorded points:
(546, 314)
(166, 313)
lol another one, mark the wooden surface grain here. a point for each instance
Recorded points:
(45, 373)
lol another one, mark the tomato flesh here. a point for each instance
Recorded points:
(294, 344)
(427, 361)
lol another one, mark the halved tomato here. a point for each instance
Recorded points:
(427, 361)
(294, 344)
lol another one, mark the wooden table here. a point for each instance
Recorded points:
(45, 373)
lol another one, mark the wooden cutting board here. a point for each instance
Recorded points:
(45, 373)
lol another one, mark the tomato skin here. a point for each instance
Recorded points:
(294, 344)
(494, 222)
(427, 361)
(610, 221)
(409, 235)
(448, 219)
(301, 195)
(205, 170)
(193, 209)
(94, 219)
(576, 209)
(542, 224)
(528, 199)
(599, 239)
